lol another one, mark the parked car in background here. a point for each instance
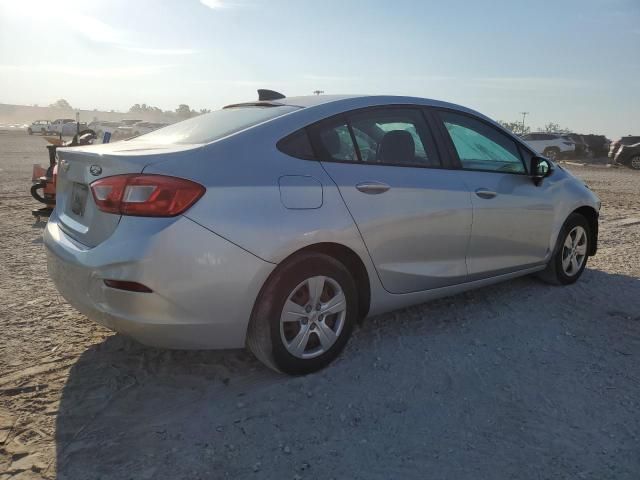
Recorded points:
(39, 126)
(581, 146)
(626, 151)
(13, 127)
(598, 144)
(129, 122)
(123, 132)
(552, 145)
(103, 126)
(278, 224)
(142, 128)
(67, 127)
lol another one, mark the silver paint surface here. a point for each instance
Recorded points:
(429, 235)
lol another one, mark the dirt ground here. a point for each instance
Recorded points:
(515, 381)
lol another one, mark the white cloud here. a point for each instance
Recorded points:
(327, 78)
(528, 83)
(94, 72)
(214, 4)
(91, 28)
(159, 51)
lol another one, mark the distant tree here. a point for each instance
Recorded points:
(144, 108)
(183, 111)
(204, 110)
(552, 127)
(62, 103)
(515, 127)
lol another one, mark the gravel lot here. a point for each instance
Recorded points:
(519, 380)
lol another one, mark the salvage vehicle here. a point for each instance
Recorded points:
(43, 180)
(280, 223)
(552, 145)
(626, 151)
(66, 127)
(104, 126)
(39, 126)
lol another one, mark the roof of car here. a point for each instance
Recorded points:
(317, 100)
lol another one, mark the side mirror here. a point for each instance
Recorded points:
(539, 169)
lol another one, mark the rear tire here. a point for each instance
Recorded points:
(634, 162)
(570, 254)
(321, 303)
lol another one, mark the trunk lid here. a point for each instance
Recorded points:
(78, 167)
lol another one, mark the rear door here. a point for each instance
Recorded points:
(414, 215)
(512, 217)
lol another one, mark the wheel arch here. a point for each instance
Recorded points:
(591, 215)
(352, 261)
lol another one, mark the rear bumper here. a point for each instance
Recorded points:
(203, 287)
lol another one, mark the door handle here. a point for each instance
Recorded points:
(373, 188)
(486, 194)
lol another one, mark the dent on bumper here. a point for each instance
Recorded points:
(203, 286)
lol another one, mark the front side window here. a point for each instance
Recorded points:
(480, 146)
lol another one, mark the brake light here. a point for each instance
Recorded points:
(145, 195)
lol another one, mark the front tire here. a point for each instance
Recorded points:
(634, 162)
(29, 131)
(571, 253)
(304, 315)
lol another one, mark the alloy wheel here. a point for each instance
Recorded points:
(313, 317)
(574, 251)
(635, 162)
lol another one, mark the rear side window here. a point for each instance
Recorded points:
(394, 136)
(297, 145)
(334, 142)
(480, 146)
(380, 136)
(215, 125)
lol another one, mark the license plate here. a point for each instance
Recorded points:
(78, 198)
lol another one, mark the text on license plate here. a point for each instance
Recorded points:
(78, 198)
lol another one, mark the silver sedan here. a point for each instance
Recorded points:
(279, 223)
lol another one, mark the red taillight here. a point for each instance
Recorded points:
(145, 195)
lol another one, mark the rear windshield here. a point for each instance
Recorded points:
(215, 125)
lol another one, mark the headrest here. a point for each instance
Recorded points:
(397, 146)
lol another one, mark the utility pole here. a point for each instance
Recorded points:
(318, 92)
(524, 114)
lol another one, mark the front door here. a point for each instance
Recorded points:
(512, 217)
(413, 215)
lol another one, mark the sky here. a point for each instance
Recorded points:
(572, 62)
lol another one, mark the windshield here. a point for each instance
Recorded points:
(215, 125)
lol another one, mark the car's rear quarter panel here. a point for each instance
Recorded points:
(243, 201)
